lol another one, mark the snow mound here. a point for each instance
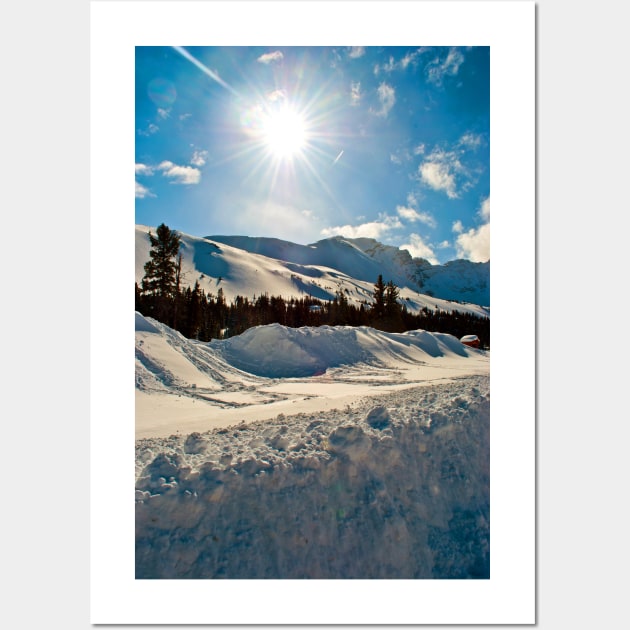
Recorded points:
(276, 351)
(395, 491)
(143, 325)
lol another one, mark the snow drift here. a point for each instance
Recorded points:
(278, 351)
(389, 479)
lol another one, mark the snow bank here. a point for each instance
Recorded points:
(397, 488)
(186, 385)
(143, 324)
(276, 351)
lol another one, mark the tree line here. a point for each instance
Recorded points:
(204, 316)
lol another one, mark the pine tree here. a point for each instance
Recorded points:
(392, 308)
(379, 297)
(386, 312)
(162, 273)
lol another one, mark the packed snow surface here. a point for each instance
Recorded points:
(329, 452)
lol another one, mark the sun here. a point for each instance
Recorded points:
(284, 132)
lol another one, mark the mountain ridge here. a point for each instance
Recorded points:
(249, 266)
(397, 264)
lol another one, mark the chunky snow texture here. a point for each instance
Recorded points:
(393, 487)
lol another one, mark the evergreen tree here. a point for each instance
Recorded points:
(162, 273)
(392, 308)
(379, 297)
(386, 312)
(195, 311)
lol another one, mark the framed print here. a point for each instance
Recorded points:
(315, 422)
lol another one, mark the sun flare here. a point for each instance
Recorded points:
(284, 132)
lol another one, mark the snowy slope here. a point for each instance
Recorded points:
(249, 266)
(335, 253)
(325, 452)
(366, 258)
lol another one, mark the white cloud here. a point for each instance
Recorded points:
(164, 113)
(387, 98)
(371, 229)
(184, 175)
(410, 214)
(267, 58)
(389, 66)
(143, 169)
(143, 191)
(400, 157)
(355, 93)
(356, 52)
(471, 140)
(439, 68)
(474, 244)
(419, 249)
(386, 67)
(439, 176)
(374, 229)
(484, 211)
(442, 170)
(150, 130)
(199, 158)
(409, 59)
(419, 150)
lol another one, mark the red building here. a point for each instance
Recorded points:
(470, 340)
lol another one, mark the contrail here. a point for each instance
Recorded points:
(337, 158)
(213, 75)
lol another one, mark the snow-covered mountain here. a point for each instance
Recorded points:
(365, 258)
(460, 280)
(249, 266)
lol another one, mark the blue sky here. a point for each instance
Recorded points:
(301, 144)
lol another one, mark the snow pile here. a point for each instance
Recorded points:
(278, 351)
(391, 488)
